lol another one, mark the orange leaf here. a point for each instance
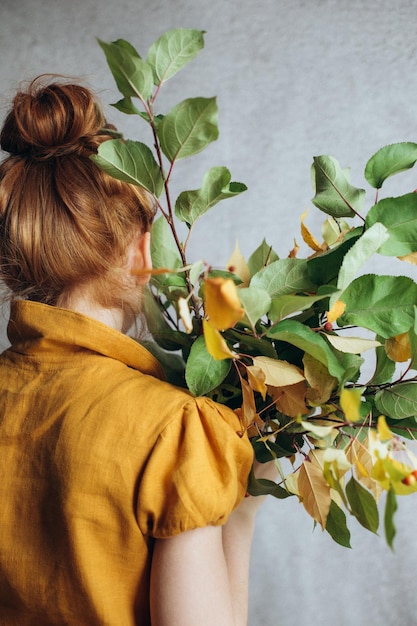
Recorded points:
(249, 414)
(293, 253)
(215, 343)
(290, 400)
(221, 302)
(256, 379)
(314, 491)
(398, 348)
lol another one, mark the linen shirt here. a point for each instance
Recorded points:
(98, 457)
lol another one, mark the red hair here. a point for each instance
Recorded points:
(63, 221)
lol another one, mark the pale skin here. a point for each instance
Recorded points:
(199, 577)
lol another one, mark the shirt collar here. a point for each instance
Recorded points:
(35, 328)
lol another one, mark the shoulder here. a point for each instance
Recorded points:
(197, 472)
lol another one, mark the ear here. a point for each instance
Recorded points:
(142, 261)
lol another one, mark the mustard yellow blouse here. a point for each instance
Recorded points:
(99, 456)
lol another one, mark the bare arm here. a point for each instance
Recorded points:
(190, 581)
(201, 576)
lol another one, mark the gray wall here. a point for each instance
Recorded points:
(294, 78)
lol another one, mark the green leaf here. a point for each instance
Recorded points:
(390, 160)
(363, 505)
(132, 74)
(131, 162)
(373, 302)
(188, 128)
(248, 344)
(261, 257)
(399, 216)
(165, 254)
(265, 487)
(398, 402)
(255, 301)
(215, 186)
(283, 277)
(203, 373)
(324, 268)
(390, 509)
(363, 248)
(126, 106)
(297, 334)
(384, 367)
(336, 525)
(172, 51)
(164, 335)
(288, 304)
(334, 193)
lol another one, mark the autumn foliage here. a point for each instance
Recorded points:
(283, 340)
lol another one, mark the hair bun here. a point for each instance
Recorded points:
(52, 120)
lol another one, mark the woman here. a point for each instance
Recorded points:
(119, 493)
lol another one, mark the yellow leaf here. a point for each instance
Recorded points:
(237, 265)
(353, 345)
(398, 348)
(291, 483)
(290, 400)
(215, 343)
(185, 315)
(256, 379)
(359, 455)
(383, 431)
(308, 238)
(320, 381)
(350, 400)
(336, 311)
(314, 491)
(278, 373)
(221, 302)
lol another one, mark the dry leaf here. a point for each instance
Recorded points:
(278, 373)
(359, 455)
(256, 379)
(409, 258)
(237, 265)
(290, 400)
(185, 315)
(398, 348)
(215, 343)
(308, 238)
(353, 345)
(336, 311)
(249, 414)
(293, 253)
(320, 381)
(350, 400)
(221, 302)
(314, 491)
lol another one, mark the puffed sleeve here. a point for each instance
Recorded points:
(197, 472)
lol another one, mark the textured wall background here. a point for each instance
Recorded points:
(294, 79)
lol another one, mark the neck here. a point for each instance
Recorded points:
(113, 317)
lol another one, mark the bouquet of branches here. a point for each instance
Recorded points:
(280, 340)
